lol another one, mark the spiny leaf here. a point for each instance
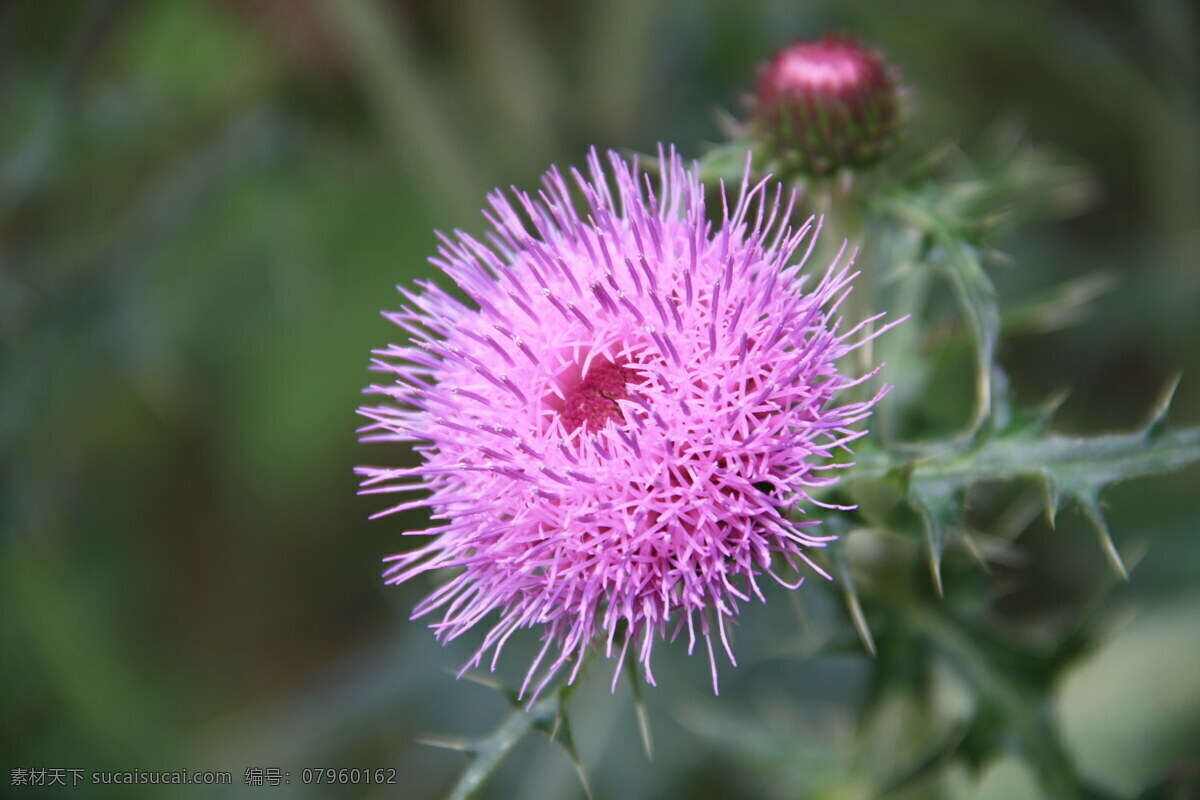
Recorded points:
(1033, 422)
(639, 705)
(850, 594)
(1053, 496)
(1068, 468)
(1089, 504)
(511, 695)
(560, 732)
(487, 754)
(976, 551)
(935, 540)
(456, 743)
(1156, 422)
(935, 511)
(1074, 464)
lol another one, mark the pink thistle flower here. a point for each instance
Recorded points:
(613, 432)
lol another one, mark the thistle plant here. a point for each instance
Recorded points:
(649, 402)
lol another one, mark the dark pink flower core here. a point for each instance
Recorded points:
(592, 399)
(827, 104)
(617, 433)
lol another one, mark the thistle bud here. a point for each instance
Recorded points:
(825, 105)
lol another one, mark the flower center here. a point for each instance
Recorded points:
(592, 398)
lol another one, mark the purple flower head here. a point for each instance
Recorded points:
(614, 429)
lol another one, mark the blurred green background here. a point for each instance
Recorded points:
(205, 203)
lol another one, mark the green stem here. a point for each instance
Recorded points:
(901, 346)
(1027, 714)
(959, 261)
(844, 225)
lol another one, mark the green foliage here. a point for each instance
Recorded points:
(897, 483)
(933, 479)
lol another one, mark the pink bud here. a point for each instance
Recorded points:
(826, 105)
